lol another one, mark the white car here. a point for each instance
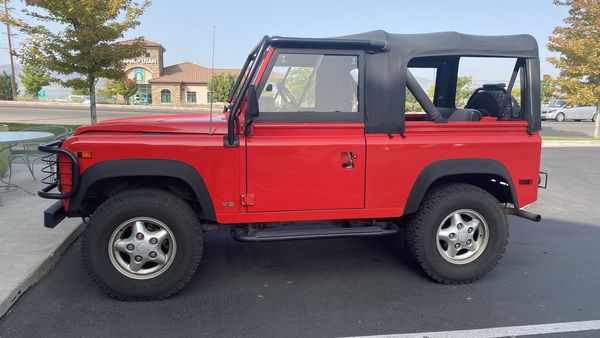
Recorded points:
(576, 113)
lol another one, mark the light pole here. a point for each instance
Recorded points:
(13, 79)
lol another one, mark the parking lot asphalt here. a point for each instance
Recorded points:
(550, 273)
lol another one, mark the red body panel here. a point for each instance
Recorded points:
(294, 170)
(293, 167)
(394, 164)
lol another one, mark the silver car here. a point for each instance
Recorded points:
(555, 112)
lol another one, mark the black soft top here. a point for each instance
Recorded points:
(388, 57)
(427, 44)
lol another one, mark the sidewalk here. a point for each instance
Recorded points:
(28, 250)
(569, 144)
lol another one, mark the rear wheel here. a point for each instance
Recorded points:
(143, 244)
(595, 118)
(459, 233)
(560, 117)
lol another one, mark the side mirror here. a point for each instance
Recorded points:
(252, 103)
(269, 87)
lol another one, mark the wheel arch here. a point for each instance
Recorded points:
(177, 175)
(485, 173)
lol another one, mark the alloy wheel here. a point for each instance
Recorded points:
(142, 248)
(462, 236)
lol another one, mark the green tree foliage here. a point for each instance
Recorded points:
(125, 87)
(412, 105)
(81, 91)
(220, 86)
(108, 91)
(299, 82)
(34, 77)
(549, 88)
(78, 37)
(464, 90)
(578, 43)
(463, 93)
(5, 87)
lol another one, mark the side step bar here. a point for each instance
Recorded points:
(523, 214)
(251, 235)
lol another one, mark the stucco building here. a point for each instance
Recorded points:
(183, 83)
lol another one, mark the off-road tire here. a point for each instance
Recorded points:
(162, 206)
(560, 117)
(422, 229)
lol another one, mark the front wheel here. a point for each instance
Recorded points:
(595, 118)
(459, 233)
(560, 117)
(143, 244)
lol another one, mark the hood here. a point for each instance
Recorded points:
(180, 124)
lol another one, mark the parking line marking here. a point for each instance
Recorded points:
(508, 331)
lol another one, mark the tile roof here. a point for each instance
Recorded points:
(147, 43)
(188, 72)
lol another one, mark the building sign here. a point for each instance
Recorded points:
(141, 61)
(139, 76)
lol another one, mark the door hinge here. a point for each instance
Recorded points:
(247, 199)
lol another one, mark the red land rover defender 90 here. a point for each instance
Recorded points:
(314, 130)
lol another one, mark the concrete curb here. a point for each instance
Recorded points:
(39, 271)
(569, 144)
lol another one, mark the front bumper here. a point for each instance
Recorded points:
(54, 214)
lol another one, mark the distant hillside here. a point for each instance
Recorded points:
(53, 91)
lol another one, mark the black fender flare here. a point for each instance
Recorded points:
(145, 167)
(440, 169)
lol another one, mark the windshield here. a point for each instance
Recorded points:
(311, 82)
(557, 103)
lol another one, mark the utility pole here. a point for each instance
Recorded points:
(10, 52)
(212, 74)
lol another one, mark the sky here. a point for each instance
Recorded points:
(185, 27)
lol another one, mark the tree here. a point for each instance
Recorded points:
(126, 87)
(33, 78)
(108, 91)
(5, 87)
(464, 90)
(548, 88)
(463, 93)
(81, 91)
(578, 43)
(220, 86)
(84, 43)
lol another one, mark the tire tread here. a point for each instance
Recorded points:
(143, 195)
(416, 227)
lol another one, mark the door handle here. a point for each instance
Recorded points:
(348, 160)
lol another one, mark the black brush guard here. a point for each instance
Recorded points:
(51, 170)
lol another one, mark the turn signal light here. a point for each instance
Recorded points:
(84, 154)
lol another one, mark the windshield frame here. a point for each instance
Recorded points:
(251, 66)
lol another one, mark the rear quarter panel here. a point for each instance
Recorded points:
(394, 162)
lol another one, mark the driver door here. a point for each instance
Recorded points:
(306, 149)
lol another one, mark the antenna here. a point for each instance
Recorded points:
(212, 75)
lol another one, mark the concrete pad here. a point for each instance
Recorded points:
(569, 144)
(28, 250)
